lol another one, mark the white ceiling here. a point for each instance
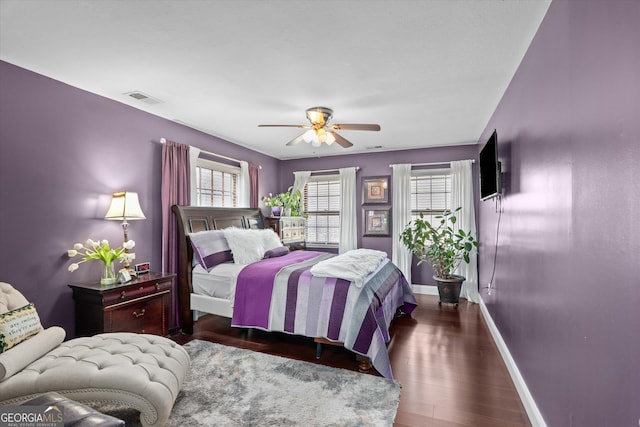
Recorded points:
(429, 72)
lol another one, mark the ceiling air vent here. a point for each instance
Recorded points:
(143, 97)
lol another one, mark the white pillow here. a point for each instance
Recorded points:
(270, 239)
(27, 352)
(246, 245)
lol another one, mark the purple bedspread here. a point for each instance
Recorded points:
(254, 288)
(280, 294)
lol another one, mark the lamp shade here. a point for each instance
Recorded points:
(124, 206)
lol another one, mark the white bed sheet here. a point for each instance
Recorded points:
(219, 282)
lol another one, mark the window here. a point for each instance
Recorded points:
(216, 184)
(322, 205)
(430, 193)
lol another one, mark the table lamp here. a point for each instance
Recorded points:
(125, 206)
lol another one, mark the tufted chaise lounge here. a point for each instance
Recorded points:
(144, 372)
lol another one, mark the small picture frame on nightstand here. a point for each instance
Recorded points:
(142, 268)
(124, 276)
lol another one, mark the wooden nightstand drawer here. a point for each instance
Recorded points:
(140, 316)
(141, 305)
(116, 296)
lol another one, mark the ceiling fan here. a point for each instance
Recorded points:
(320, 131)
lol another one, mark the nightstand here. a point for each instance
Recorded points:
(141, 305)
(291, 229)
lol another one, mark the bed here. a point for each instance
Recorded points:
(280, 292)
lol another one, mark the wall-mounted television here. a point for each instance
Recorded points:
(490, 185)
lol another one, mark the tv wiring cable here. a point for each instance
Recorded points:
(495, 252)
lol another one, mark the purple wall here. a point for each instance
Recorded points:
(63, 151)
(566, 292)
(377, 164)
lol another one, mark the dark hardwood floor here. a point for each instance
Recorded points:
(450, 369)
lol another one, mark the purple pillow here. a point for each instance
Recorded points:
(276, 252)
(210, 248)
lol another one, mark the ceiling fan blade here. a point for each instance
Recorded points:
(286, 126)
(342, 141)
(356, 126)
(296, 140)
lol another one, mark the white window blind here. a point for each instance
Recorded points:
(216, 184)
(430, 193)
(322, 205)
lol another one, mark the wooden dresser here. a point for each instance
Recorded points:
(141, 305)
(291, 229)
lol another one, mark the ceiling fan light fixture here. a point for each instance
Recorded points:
(309, 136)
(322, 135)
(319, 115)
(321, 132)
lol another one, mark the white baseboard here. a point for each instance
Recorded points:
(425, 289)
(527, 400)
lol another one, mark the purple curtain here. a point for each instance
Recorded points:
(253, 185)
(175, 191)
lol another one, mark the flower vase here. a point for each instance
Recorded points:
(287, 212)
(108, 274)
(276, 210)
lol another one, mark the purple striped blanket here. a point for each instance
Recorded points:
(280, 294)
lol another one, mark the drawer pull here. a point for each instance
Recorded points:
(136, 314)
(157, 286)
(122, 295)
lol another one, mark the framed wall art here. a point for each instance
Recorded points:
(375, 189)
(377, 221)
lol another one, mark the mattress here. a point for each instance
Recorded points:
(219, 282)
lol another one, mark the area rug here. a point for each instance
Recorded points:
(231, 387)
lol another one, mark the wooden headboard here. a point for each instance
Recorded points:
(192, 219)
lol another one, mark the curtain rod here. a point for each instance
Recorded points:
(331, 170)
(434, 163)
(163, 140)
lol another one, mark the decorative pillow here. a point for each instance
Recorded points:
(18, 325)
(270, 239)
(246, 245)
(276, 252)
(210, 248)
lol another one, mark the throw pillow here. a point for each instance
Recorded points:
(18, 325)
(210, 248)
(276, 252)
(270, 239)
(246, 245)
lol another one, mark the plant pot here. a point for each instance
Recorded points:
(287, 212)
(449, 289)
(276, 210)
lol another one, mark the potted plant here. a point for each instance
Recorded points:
(292, 202)
(274, 202)
(444, 247)
(288, 203)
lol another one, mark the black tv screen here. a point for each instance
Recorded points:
(490, 169)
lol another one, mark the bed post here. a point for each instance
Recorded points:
(184, 277)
